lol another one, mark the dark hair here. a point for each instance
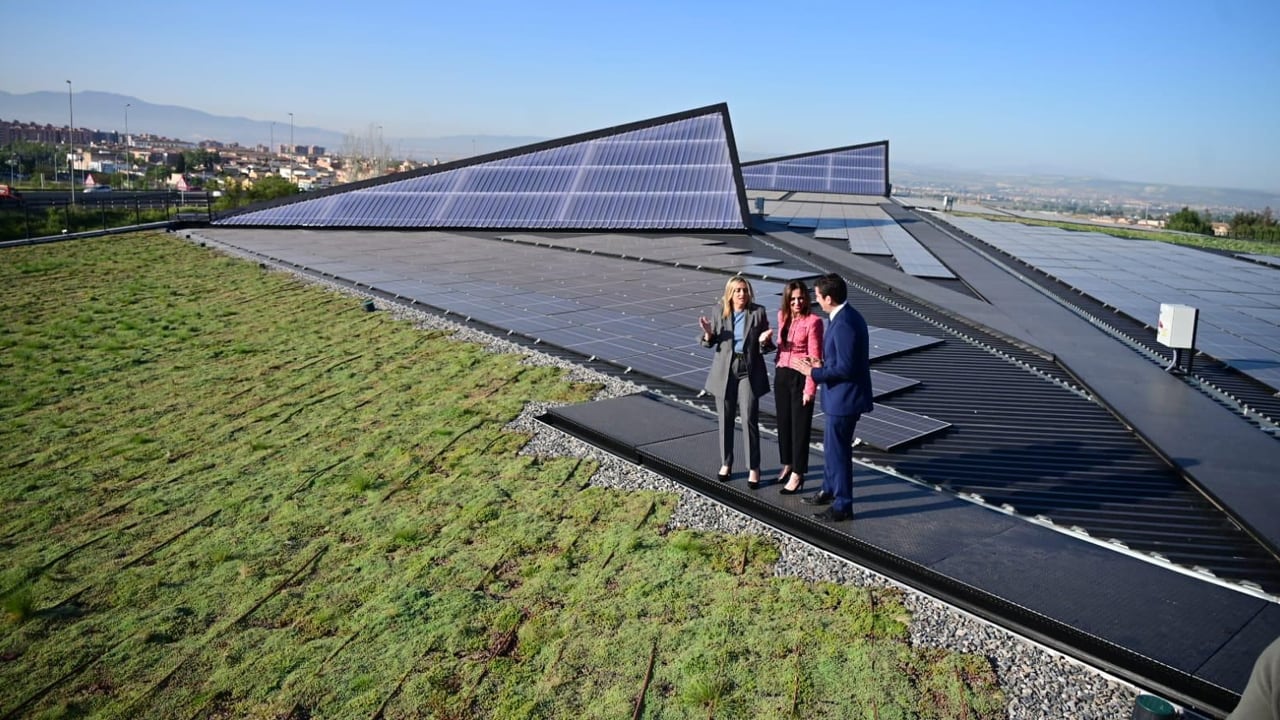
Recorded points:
(832, 286)
(790, 288)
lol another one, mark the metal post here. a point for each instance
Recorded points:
(71, 138)
(128, 162)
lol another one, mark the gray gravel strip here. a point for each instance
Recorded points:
(1038, 682)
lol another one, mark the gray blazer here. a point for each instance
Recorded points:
(722, 341)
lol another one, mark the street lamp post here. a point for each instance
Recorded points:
(71, 138)
(128, 158)
(271, 149)
(291, 150)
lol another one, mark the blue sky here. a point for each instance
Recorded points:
(1174, 92)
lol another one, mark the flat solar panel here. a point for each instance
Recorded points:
(837, 199)
(858, 170)
(1135, 276)
(637, 316)
(884, 384)
(912, 257)
(887, 428)
(888, 343)
(668, 175)
(868, 244)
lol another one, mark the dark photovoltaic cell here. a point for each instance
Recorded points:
(886, 428)
(884, 384)
(1135, 277)
(669, 175)
(857, 170)
(638, 316)
(887, 343)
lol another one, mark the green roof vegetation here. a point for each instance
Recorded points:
(230, 493)
(1207, 242)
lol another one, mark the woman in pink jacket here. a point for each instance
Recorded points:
(799, 335)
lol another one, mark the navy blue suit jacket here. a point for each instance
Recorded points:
(845, 374)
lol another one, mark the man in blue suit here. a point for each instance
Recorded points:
(845, 376)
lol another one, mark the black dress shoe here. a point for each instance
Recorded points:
(724, 477)
(822, 498)
(833, 515)
(784, 491)
(753, 484)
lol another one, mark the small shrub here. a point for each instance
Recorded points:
(19, 606)
(220, 553)
(407, 535)
(361, 481)
(706, 692)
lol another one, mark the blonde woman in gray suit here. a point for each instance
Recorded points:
(740, 335)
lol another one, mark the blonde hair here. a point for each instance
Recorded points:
(726, 302)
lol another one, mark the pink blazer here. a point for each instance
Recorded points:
(804, 339)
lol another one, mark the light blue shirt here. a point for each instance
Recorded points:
(739, 330)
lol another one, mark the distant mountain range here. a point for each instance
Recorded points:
(105, 111)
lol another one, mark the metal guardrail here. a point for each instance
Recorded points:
(27, 216)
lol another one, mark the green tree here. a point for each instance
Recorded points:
(271, 187)
(1255, 226)
(157, 175)
(1188, 220)
(200, 159)
(232, 194)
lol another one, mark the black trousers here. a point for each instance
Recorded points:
(795, 419)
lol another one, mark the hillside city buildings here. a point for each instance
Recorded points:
(310, 167)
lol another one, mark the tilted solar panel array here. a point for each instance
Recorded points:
(678, 174)
(859, 170)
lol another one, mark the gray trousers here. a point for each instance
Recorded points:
(738, 399)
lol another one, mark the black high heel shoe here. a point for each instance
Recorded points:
(784, 491)
(754, 484)
(724, 476)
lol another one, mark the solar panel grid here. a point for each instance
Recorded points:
(851, 171)
(883, 428)
(676, 174)
(637, 315)
(1155, 273)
